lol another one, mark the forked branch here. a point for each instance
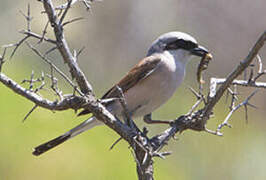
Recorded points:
(144, 148)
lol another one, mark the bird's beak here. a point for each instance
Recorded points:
(199, 51)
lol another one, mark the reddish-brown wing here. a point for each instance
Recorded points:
(139, 72)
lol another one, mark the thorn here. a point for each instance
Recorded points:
(194, 92)
(161, 154)
(73, 20)
(29, 113)
(17, 46)
(246, 113)
(251, 105)
(251, 75)
(80, 51)
(115, 143)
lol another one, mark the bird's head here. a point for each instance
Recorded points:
(179, 44)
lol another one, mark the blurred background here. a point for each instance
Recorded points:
(116, 34)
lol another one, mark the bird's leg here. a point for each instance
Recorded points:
(147, 119)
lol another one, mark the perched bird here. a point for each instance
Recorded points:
(147, 86)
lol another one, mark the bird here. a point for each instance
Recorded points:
(147, 86)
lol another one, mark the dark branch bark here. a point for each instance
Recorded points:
(144, 148)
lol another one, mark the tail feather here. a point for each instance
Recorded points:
(86, 125)
(50, 144)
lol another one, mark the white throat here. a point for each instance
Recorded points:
(180, 56)
(177, 60)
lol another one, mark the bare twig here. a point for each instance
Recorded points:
(44, 32)
(32, 81)
(2, 59)
(16, 45)
(217, 81)
(72, 20)
(54, 67)
(27, 17)
(80, 51)
(50, 50)
(197, 120)
(42, 84)
(37, 36)
(123, 102)
(144, 148)
(214, 97)
(234, 97)
(71, 102)
(29, 113)
(65, 12)
(87, 3)
(258, 76)
(199, 97)
(245, 103)
(54, 84)
(64, 48)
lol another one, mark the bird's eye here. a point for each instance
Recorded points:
(181, 44)
(187, 45)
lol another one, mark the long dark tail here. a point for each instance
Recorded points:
(86, 125)
(50, 144)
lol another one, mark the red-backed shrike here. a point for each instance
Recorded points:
(147, 86)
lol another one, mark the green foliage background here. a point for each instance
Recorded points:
(115, 32)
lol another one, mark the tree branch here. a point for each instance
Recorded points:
(197, 120)
(144, 148)
(214, 97)
(69, 102)
(64, 48)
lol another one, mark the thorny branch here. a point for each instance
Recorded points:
(54, 67)
(86, 99)
(63, 47)
(144, 148)
(198, 119)
(2, 59)
(234, 108)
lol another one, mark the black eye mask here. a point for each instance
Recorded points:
(180, 44)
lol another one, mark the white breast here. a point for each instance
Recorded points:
(157, 88)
